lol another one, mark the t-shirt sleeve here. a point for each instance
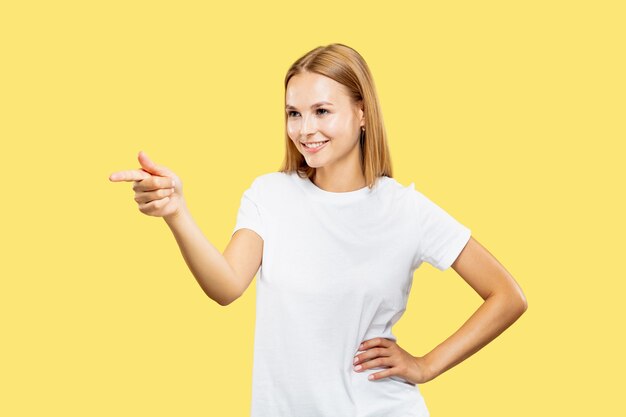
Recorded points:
(249, 215)
(442, 237)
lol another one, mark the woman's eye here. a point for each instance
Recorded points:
(294, 113)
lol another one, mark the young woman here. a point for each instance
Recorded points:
(336, 240)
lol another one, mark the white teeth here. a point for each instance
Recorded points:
(315, 144)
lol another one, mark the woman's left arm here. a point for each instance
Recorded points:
(504, 304)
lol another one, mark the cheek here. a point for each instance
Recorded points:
(336, 126)
(332, 125)
(292, 130)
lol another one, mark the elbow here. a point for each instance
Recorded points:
(518, 304)
(523, 304)
(226, 295)
(222, 303)
(222, 299)
(517, 300)
(226, 299)
(227, 302)
(520, 300)
(514, 303)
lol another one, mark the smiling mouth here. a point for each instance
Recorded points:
(316, 145)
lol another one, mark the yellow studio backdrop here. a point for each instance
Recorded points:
(510, 116)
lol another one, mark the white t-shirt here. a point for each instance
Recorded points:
(337, 269)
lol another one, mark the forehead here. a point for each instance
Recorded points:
(310, 87)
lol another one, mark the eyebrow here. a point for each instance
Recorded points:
(290, 107)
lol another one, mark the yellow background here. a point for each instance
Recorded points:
(508, 115)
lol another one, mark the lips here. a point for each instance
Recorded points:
(316, 141)
(316, 149)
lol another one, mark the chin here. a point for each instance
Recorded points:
(314, 165)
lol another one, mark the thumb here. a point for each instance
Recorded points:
(151, 167)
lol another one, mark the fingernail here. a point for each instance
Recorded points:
(173, 183)
(355, 360)
(356, 368)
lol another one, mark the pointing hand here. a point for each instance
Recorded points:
(158, 190)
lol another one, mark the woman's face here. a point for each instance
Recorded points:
(319, 110)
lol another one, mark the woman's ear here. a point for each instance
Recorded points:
(361, 113)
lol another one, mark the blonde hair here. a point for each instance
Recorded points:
(346, 66)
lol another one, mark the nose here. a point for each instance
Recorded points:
(308, 126)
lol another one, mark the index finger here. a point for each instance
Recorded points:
(129, 175)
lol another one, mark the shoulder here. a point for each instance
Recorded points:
(270, 185)
(395, 189)
(406, 190)
(409, 197)
(270, 179)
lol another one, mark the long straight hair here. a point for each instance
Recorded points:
(346, 66)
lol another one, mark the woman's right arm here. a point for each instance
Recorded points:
(225, 277)
(158, 192)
